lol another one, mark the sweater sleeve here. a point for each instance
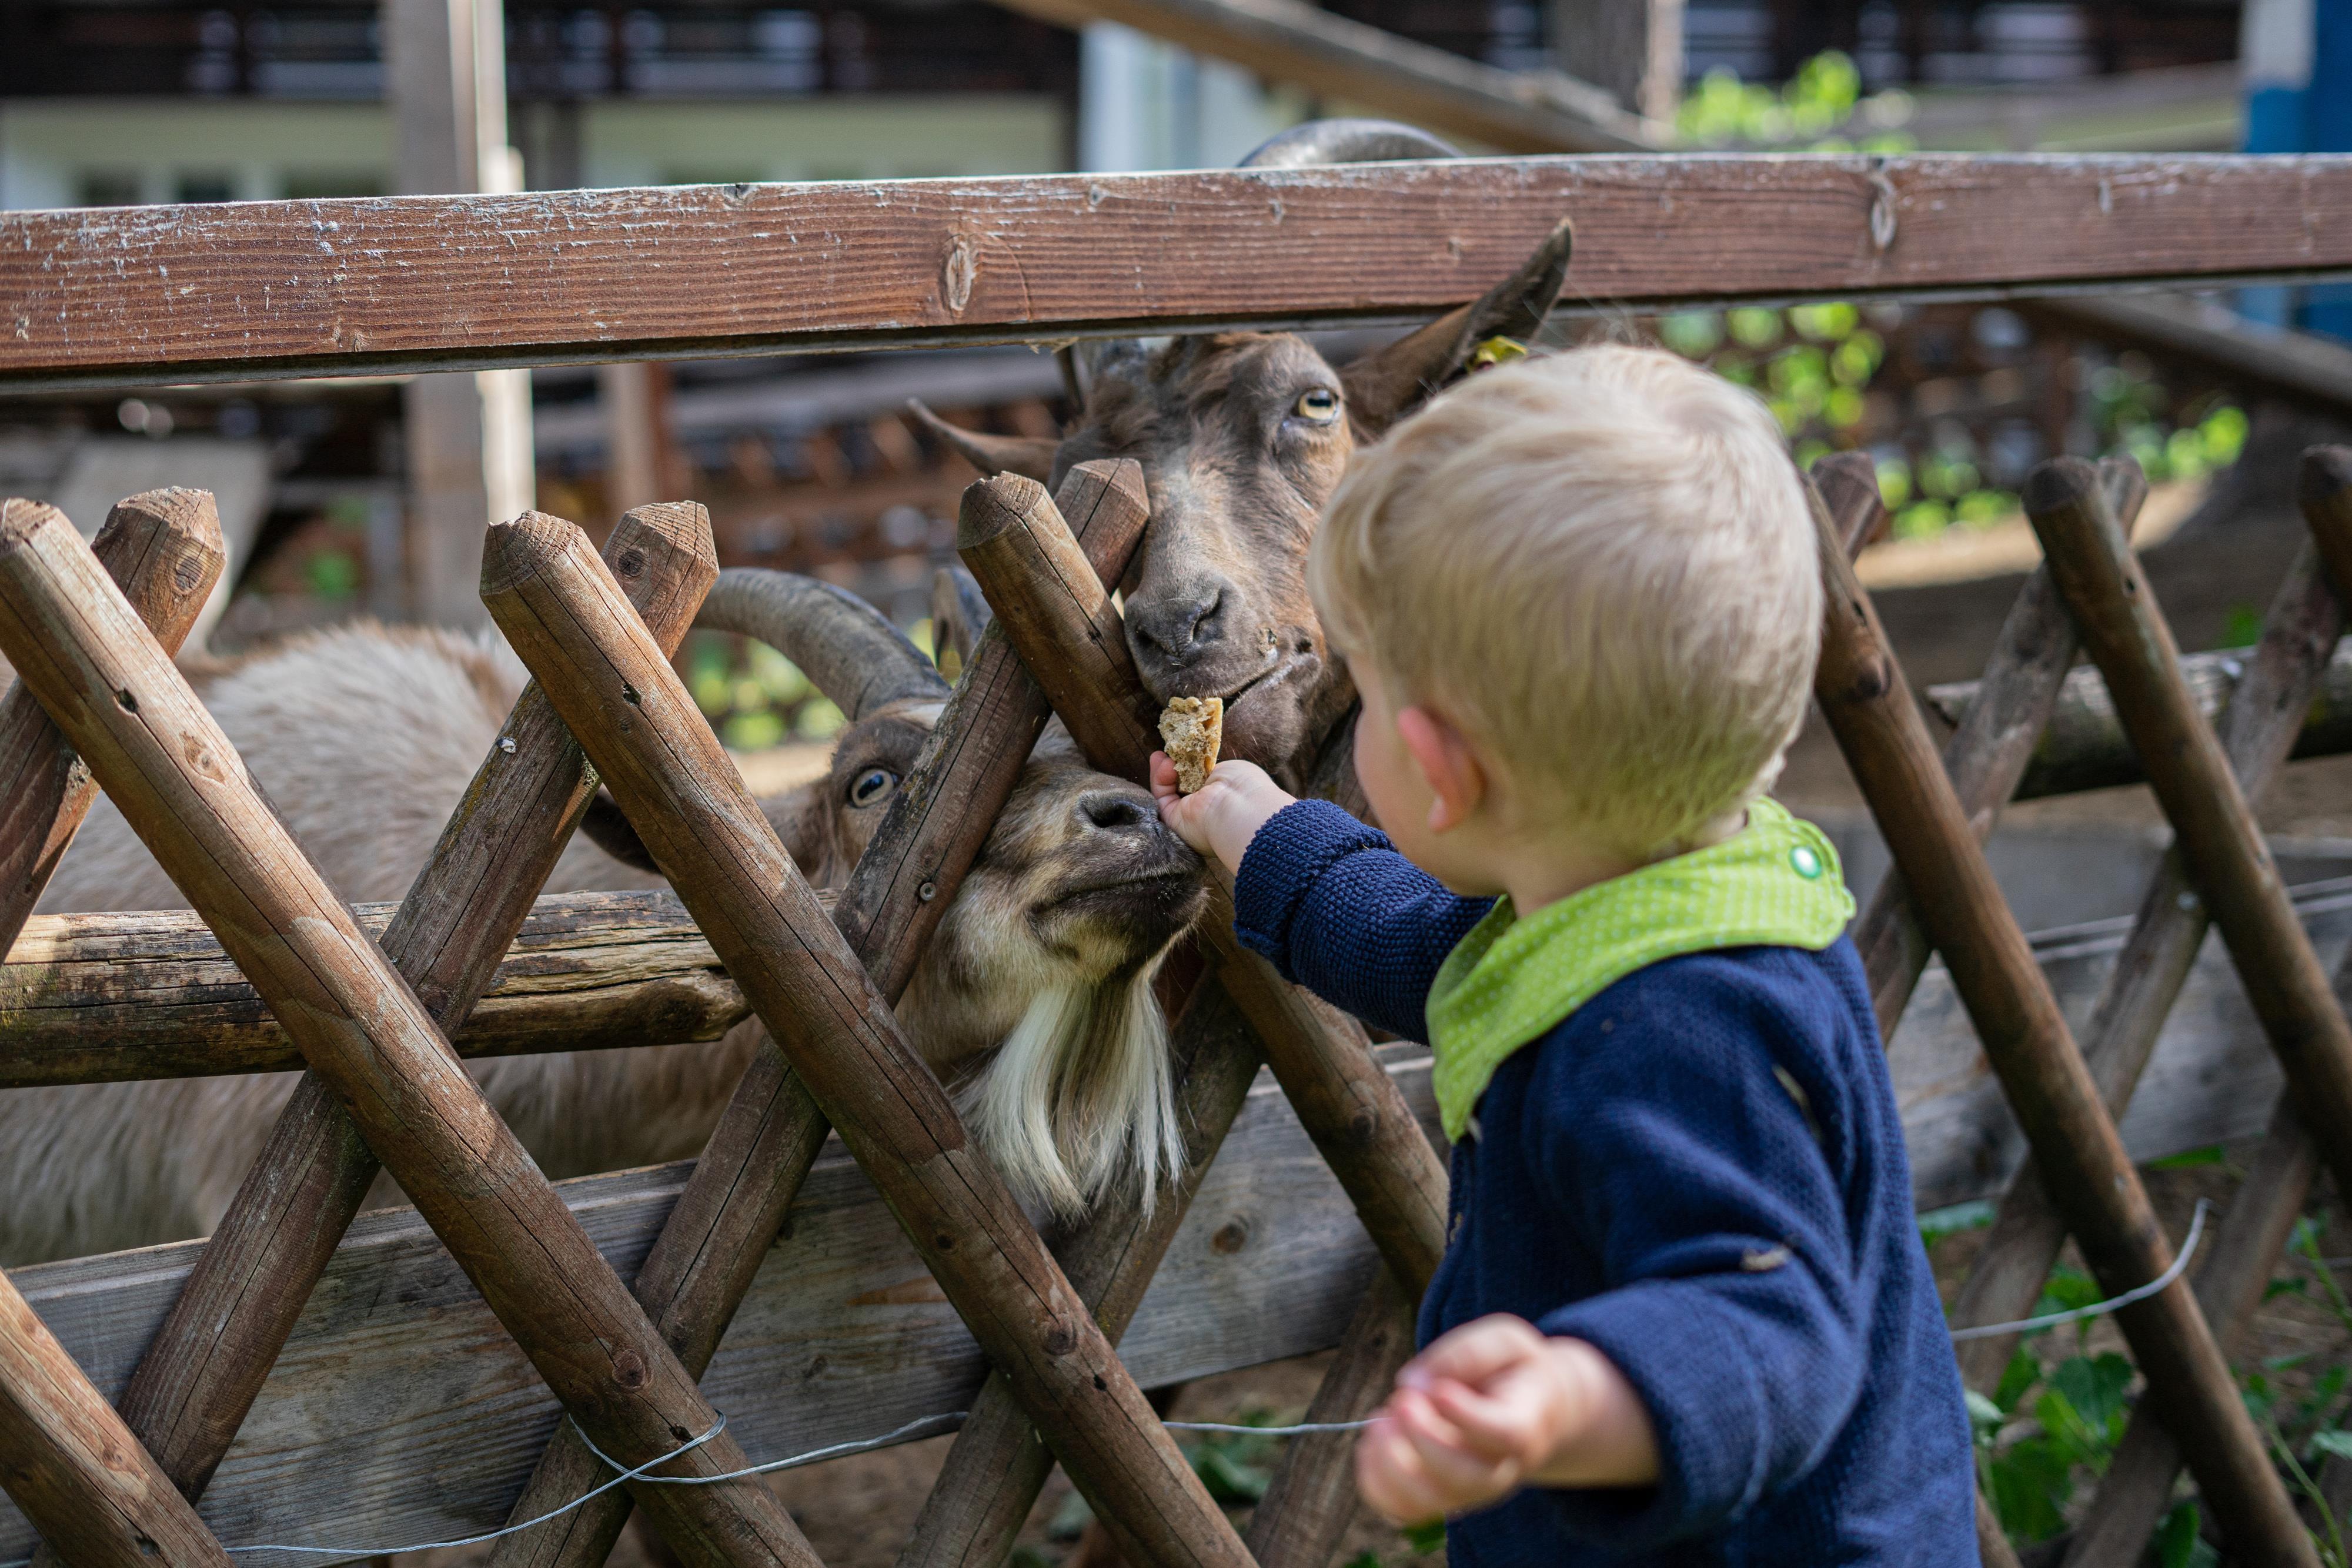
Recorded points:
(1337, 910)
(1701, 1165)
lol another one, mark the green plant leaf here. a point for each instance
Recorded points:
(2020, 1376)
(2212, 1154)
(2336, 1444)
(1426, 1538)
(2031, 1483)
(1228, 1478)
(2177, 1543)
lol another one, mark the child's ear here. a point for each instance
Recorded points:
(1448, 764)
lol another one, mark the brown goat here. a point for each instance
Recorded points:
(1242, 437)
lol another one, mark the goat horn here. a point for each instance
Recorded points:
(1320, 141)
(845, 646)
(1024, 455)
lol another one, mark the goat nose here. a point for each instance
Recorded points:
(1115, 813)
(1176, 627)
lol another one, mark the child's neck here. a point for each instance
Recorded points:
(1544, 875)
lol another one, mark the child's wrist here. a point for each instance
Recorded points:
(1607, 1438)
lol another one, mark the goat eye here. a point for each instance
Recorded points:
(1319, 404)
(872, 786)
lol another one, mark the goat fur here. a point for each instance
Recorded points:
(365, 738)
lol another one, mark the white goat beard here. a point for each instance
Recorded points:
(1092, 1061)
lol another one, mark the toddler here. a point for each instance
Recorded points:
(1684, 1315)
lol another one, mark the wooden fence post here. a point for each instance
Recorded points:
(66, 1457)
(75, 1468)
(2230, 1283)
(1988, 752)
(550, 595)
(1863, 694)
(2215, 835)
(164, 548)
(166, 765)
(2169, 928)
(704, 1260)
(200, 1376)
(998, 1464)
(1322, 1059)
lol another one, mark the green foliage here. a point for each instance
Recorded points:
(1938, 1223)
(2177, 1543)
(1821, 107)
(1426, 1538)
(2212, 1154)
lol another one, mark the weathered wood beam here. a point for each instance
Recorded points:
(2085, 747)
(445, 938)
(2217, 838)
(166, 765)
(2167, 935)
(114, 998)
(1305, 45)
(1065, 630)
(2300, 368)
(759, 1152)
(1990, 748)
(66, 1455)
(75, 1468)
(1861, 691)
(558, 606)
(164, 549)
(2262, 1214)
(135, 296)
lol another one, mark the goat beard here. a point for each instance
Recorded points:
(1080, 1095)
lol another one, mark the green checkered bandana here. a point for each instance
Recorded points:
(1773, 883)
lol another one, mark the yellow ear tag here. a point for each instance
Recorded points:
(1497, 352)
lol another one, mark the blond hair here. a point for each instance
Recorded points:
(1602, 566)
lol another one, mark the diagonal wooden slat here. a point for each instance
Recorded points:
(166, 765)
(73, 1466)
(2231, 1283)
(164, 548)
(2229, 862)
(1990, 748)
(699, 1269)
(998, 1464)
(555, 602)
(1068, 631)
(66, 1457)
(2168, 932)
(1861, 691)
(207, 1363)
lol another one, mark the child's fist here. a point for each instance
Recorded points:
(1495, 1406)
(1220, 817)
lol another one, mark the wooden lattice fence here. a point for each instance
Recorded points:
(619, 1292)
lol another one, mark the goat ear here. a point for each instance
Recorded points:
(960, 614)
(1388, 384)
(609, 831)
(1030, 456)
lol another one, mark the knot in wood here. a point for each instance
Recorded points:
(1230, 1237)
(629, 1370)
(957, 273)
(631, 563)
(1060, 1339)
(188, 572)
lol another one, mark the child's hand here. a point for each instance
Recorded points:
(1220, 817)
(1495, 1406)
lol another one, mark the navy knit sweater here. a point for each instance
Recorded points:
(1701, 1173)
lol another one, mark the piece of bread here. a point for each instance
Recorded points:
(1193, 729)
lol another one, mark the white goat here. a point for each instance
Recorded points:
(1033, 998)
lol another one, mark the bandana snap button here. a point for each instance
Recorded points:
(1807, 863)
